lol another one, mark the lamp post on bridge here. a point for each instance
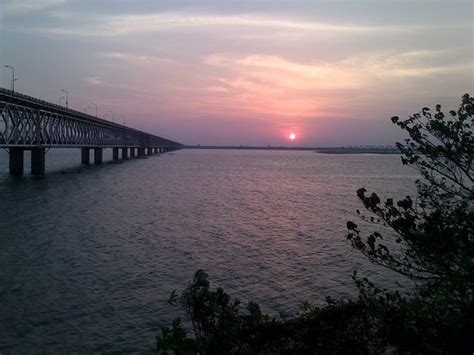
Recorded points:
(67, 97)
(95, 108)
(12, 85)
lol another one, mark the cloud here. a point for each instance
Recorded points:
(25, 6)
(414, 63)
(138, 58)
(154, 22)
(77, 23)
(118, 25)
(278, 72)
(94, 80)
(273, 84)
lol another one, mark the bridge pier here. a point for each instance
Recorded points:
(16, 161)
(85, 156)
(115, 153)
(132, 152)
(98, 155)
(124, 153)
(38, 161)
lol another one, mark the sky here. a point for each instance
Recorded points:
(225, 72)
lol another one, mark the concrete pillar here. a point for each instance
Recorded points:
(141, 151)
(132, 152)
(115, 153)
(85, 156)
(154, 150)
(124, 153)
(38, 161)
(16, 161)
(98, 155)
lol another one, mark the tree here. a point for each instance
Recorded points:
(434, 232)
(427, 239)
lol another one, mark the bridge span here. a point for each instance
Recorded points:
(28, 123)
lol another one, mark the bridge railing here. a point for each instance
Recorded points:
(28, 121)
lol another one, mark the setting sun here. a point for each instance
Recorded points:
(292, 136)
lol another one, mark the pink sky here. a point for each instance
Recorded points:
(244, 72)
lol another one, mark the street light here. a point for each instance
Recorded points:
(12, 85)
(95, 108)
(67, 97)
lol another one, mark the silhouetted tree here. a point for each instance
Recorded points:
(433, 233)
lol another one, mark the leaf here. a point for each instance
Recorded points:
(173, 297)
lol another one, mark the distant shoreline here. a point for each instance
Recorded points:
(323, 150)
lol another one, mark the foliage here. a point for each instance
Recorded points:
(428, 240)
(435, 231)
(223, 326)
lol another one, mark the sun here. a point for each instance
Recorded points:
(292, 136)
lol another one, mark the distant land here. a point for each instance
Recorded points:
(323, 150)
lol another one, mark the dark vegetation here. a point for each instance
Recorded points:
(427, 240)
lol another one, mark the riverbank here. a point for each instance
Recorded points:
(324, 150)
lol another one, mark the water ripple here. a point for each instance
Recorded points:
(87, 260)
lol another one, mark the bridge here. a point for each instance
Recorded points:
(28, 123)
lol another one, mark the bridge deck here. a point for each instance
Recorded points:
(26, 121)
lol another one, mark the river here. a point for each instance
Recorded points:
(87, 260)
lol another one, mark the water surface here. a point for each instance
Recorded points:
(87, 260)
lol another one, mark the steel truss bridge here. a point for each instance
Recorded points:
(28, 123)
